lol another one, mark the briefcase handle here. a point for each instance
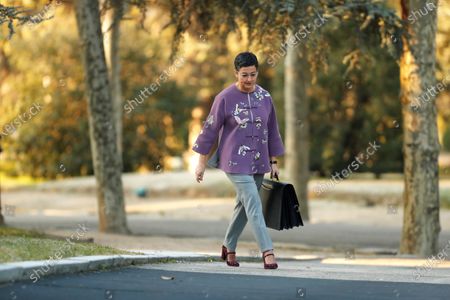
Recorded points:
(276, 176)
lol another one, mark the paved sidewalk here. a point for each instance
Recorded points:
(184, 275)
(363, 269)
(318, 265)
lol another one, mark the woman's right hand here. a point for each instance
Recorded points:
(200, 171)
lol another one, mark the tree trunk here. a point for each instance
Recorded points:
(297, 125)
(105, 156)
(421, 227)
(111, 44)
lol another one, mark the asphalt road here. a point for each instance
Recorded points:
(138, 283)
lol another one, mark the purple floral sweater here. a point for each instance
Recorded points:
(247, 128)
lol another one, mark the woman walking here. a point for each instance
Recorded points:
(243, 118)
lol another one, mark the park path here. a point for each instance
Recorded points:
(186, 221)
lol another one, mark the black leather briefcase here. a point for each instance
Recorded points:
(280, 205)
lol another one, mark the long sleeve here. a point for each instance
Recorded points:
(210, 131)
(276, 147)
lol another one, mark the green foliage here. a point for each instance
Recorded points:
(15, 16)
(374, 21)
(446, 140)
(148, 127)
(267, 22)
(55, 142)
(352, 106)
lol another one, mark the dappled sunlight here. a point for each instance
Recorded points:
(392, 262)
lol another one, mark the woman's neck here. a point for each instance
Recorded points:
(243, 90)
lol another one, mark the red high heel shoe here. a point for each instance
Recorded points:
(225, 257)
(269, 266)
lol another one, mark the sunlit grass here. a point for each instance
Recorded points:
(18, 181)
(23, 245)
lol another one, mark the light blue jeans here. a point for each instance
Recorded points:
(248, 207)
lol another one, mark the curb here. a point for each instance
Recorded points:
(20, 271)
(34, 270)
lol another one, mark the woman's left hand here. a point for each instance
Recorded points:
(275, 172)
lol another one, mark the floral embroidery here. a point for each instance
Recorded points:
(264, 139)
(209, 121)
(201, 131)
(257, 155)
(195, 145)
(261, 93)
(242, 123)
(258, 122)
(238, 110)
(243, 150)
(231, 163)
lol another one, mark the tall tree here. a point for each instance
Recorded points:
(297, 125)
(105, 155)
(113, 18)
(420, 146)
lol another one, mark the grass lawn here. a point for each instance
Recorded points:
(18, 181)
(22, 245)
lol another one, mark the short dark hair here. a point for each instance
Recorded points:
(245, 59)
